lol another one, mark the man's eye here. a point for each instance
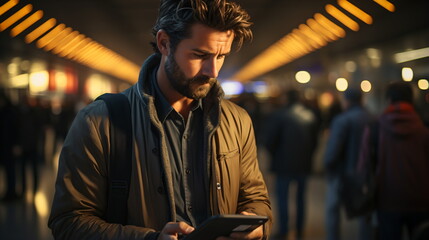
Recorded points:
(221, 56)
(200, 55)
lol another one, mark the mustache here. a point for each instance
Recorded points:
(202, 79)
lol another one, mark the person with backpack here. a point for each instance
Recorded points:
(193, 153)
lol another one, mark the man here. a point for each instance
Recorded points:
(402, 165)
(291, 137)
(194, 153)
(341, 155)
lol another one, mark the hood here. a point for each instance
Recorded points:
(401, 119)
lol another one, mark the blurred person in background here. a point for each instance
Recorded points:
(250, 103)
(402, 167)
(30, 140)
(61, 114)
(291, 138)
(341, 157)
(193, 152)
(9, 145)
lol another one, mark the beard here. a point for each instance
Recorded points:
(194, 88)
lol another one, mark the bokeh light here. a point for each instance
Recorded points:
(341, 84)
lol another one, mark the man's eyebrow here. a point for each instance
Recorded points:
(208, 53)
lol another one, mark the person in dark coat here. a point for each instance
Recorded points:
(291, 138)
(341, 156)
(402, 170)
(8, 145)
(30, 141)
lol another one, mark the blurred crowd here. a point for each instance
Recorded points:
(289, 128)
(31, 133)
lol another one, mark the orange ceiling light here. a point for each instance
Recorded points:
(343, 18)
(322, 31)
(75, 46)
(357, 12)
(316, 33)
(65, 42)
(56, 40)
(71, 45)
(328, 24)
(43, 42)
(7, 6)
(43, 28)
(15, 17)
(386, 4)
(26, 23)
(307, 31)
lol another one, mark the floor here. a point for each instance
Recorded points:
(27, 218)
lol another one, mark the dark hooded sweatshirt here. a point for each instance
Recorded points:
(403, 160)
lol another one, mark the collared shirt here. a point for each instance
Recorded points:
(185, 149)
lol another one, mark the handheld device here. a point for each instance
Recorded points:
(223, 225)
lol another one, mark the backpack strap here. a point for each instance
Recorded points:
(120, 156)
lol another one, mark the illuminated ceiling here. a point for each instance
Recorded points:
(315, 33)
(58, 38)
(113, 35)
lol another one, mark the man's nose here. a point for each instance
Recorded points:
(210, 68)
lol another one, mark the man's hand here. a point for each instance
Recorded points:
(256, 234)
(172, 230)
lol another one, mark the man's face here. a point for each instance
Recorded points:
(194, 66)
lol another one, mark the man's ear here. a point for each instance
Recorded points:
(163, 42)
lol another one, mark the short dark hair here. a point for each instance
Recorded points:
(399, 92)
(177, 16)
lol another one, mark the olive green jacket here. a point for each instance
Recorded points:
(236, 183)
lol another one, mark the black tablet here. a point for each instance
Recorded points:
(223, 225)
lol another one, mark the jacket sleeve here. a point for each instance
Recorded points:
(335, 148)
(253, 194)
(80, 196)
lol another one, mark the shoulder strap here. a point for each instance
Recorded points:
(120, 156)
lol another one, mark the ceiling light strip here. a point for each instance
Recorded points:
(42, 42)
(64, 42)
(357, 12)
(7, 6)
(329, 36)
(74, 50)
(328, 24)
(71, 45)
(307, 38)
(26, 23)
(340, 16)
(57, 39)
(386, 4)
(304, 39)
(36, 33)
(15, 17)
(312, 35)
